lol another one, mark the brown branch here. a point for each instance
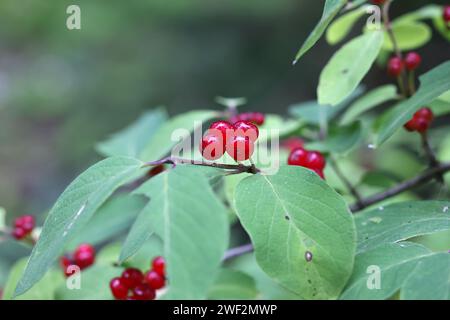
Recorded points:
(344, 180)
(404, 186)
(236, 168)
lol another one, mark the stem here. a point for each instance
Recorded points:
(346, 182)
(237, 251)
(421, 179)
(237, 168)
(412, 83)
(432, 160)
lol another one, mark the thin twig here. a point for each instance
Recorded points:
(236, 168)
(404, 186)
(432, 160)
(237, 251)
(346, 182)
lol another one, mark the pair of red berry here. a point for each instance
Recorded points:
(236, 139)
(396, 65)
(255, 117)
(421, 120)
(83, 257)
(135, 285)
(23, 226)
(312, 160)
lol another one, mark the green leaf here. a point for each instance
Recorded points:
(400, 221)
(298, 215)
(409, 36)
(342, 26)
(276, 122)
(173, 132)
(433, 84)
(94, 284)
(396, 262)
(112, 219)
(370, 100)
(430, 279)
(428, 12)
(348, 66)
(131, 140)
(311, 112)
(233, 285)
(186, 214)
(341, 139)
(331, 9)
(2, 218)
(441, 27)
(73, 210)
(43, 290)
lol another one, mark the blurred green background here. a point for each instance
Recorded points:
(62, 90)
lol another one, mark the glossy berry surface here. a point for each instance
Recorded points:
(412, 61)
(247, 128)
(143, 292)
(26, 222)
(395, 66)
(313, 160)
(420, 121)
(154, 280)
(224, 127)
(132, 277)
(211, 147)
(19, 233)
(297, 157)
(446, 14)
(84, 256)
(118, 289)
(240, 148)
(159, 266)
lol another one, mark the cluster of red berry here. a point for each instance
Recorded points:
(312, 160)
(236, 139)
(83, 257)
(255, 117)
(421, 120)
(135, 285)
(396, 65)
(23, 226)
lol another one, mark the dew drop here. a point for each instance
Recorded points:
(381, 208)
(371, 146)
(308, 256)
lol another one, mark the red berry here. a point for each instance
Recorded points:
(410, 125)
(446, 14)
(378, 2)
(131, 277)
(84, 256)
(240, 148)
(143, 292)
(211, 147)
(19, 233)
(297, 157)
(65, 262)
(118, 289)
(155, 170)
(246, 128)
(315, 160)
(425, 113)
(395, 66)
(159, 266)
(292, 143)
(412, 61)
(26, 222)
(421, 124)
(224, 127)
(85, 247)
(258, 118)
(154, 280)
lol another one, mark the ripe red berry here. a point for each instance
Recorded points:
(118, 289)
(132, 277)
(65, 262)
(410, 125)
(211, 147)
(258, 118)
(446, 14)
(84, 256)
(412, 61)
(154, 280)
(246, 128)
(19, 233)
(420, 121)
(395, 66)
(143, 292)
(240, 148)
(159, 266)
(26, 222)
(421, 124)
(378, 2)
(297, 157)
(315, 160)
(425, 113)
